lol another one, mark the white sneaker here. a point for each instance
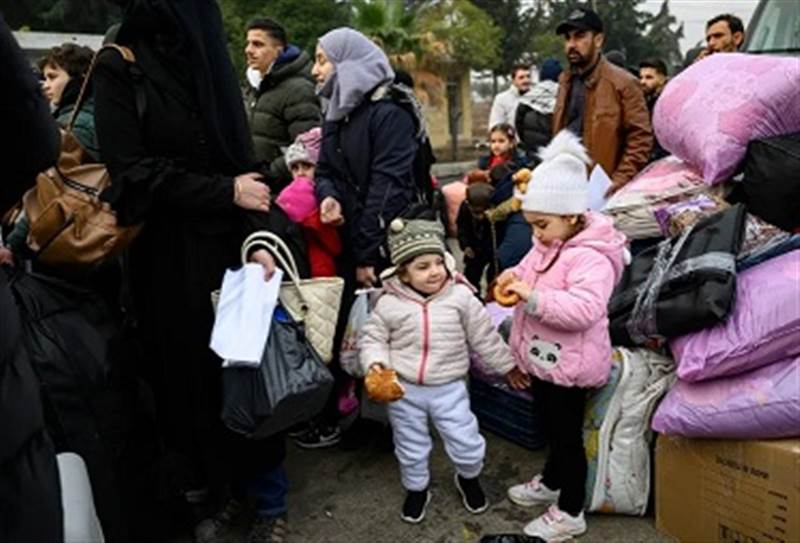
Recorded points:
(556, 525)
(533, 492)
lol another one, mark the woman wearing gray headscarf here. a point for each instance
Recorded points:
(365, 175)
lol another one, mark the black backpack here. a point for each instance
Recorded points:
(424, 159)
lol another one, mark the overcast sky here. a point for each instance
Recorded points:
(694, 14)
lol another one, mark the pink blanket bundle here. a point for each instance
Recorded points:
(761, 404)
(764, 326)
(709, 112)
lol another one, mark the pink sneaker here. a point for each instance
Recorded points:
(533, 492)
(556, 525)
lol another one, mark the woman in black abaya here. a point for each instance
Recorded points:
(175, 138)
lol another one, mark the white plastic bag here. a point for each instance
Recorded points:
(81, 524)
(348, 354)
(243, 315)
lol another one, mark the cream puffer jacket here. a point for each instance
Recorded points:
(427, 340)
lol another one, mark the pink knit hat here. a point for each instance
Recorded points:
(305, 147)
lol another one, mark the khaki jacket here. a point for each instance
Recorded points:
(616, 124)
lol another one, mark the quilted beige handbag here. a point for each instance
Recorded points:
(315, 302)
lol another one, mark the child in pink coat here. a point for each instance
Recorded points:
(299, 202)
(559, 334)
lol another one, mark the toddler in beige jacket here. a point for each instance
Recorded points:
(423, 325)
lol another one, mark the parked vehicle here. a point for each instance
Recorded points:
(774, 28)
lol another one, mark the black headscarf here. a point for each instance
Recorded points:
(186, 38)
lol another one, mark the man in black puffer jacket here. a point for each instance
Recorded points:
(283, 101)
(30, 497)
(534, 117)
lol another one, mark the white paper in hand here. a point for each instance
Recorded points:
(244, 314)
(598, 185)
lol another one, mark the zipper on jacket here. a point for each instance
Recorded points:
(425, 344)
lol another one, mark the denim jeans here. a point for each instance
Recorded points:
(270, 488)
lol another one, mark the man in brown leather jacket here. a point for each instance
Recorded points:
(601, 102)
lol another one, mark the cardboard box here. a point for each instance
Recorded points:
(728, 491)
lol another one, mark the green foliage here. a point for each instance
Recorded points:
(471, 37)
(84, 16)
(546, 45)
(306, 20)
(662, 40)
(516, 25)
(389, 23)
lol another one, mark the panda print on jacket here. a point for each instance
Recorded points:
(543, 353)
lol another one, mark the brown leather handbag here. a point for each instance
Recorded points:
(70, 228)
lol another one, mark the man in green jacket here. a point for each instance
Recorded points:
(282, 102)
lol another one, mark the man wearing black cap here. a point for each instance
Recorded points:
(601, 102)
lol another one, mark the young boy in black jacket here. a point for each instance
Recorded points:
(476, 235)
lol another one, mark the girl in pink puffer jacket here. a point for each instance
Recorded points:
(559, 333)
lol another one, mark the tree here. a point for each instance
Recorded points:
(515, 24)
(26, 14)
(89, 16)
(458, 36)
(469, 37)
(389, 24)
(664, 42)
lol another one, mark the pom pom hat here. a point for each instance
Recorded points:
(305, 148)
(411, 238)
(560, 183)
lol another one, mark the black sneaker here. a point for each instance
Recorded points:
(414, 506)
(319, 437)
(472, 494)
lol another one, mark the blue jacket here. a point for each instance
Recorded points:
(366, 163)
(504, 187)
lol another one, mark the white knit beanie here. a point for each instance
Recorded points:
(559, 184)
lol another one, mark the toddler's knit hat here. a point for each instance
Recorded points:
(305, 148)
(559, 185)
(411, 238)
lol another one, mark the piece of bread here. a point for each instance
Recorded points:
(382, 385)
(504, 297)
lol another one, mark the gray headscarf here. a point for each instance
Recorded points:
(360, 66)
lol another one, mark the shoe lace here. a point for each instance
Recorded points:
(535, 483)
(553, 515)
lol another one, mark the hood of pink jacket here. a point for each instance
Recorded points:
(298, 199)
(599, 234)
